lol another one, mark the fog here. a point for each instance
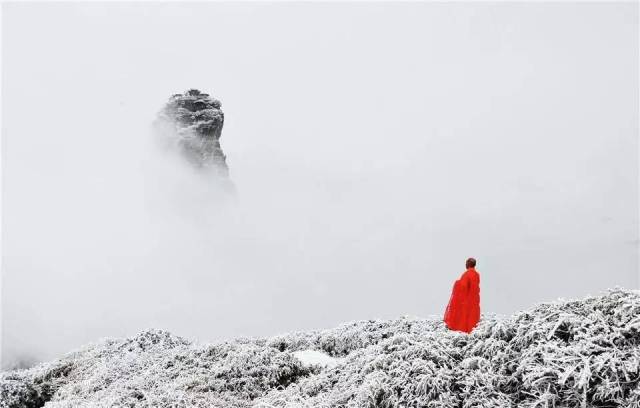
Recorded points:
(373, 147)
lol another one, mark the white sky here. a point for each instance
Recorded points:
(374, 146)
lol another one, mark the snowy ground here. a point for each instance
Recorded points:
(568, 353)
(310, 358)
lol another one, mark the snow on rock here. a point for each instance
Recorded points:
(316, 358)
(573, 353)
(191, 123)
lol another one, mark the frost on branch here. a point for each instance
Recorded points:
(579, 353)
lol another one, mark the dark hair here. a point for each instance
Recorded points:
(471, 263)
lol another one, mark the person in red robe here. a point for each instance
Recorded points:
(463, 310)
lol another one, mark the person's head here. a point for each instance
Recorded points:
(471, 263)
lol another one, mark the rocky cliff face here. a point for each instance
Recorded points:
(192, 122)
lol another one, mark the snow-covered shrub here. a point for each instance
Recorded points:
(581, 353)
(567, 354)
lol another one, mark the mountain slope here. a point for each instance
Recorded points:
(578, 353)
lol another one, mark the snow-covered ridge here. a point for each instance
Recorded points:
(576, 353)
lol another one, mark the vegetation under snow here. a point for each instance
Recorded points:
(578, 353)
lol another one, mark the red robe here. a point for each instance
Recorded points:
(463, 310)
